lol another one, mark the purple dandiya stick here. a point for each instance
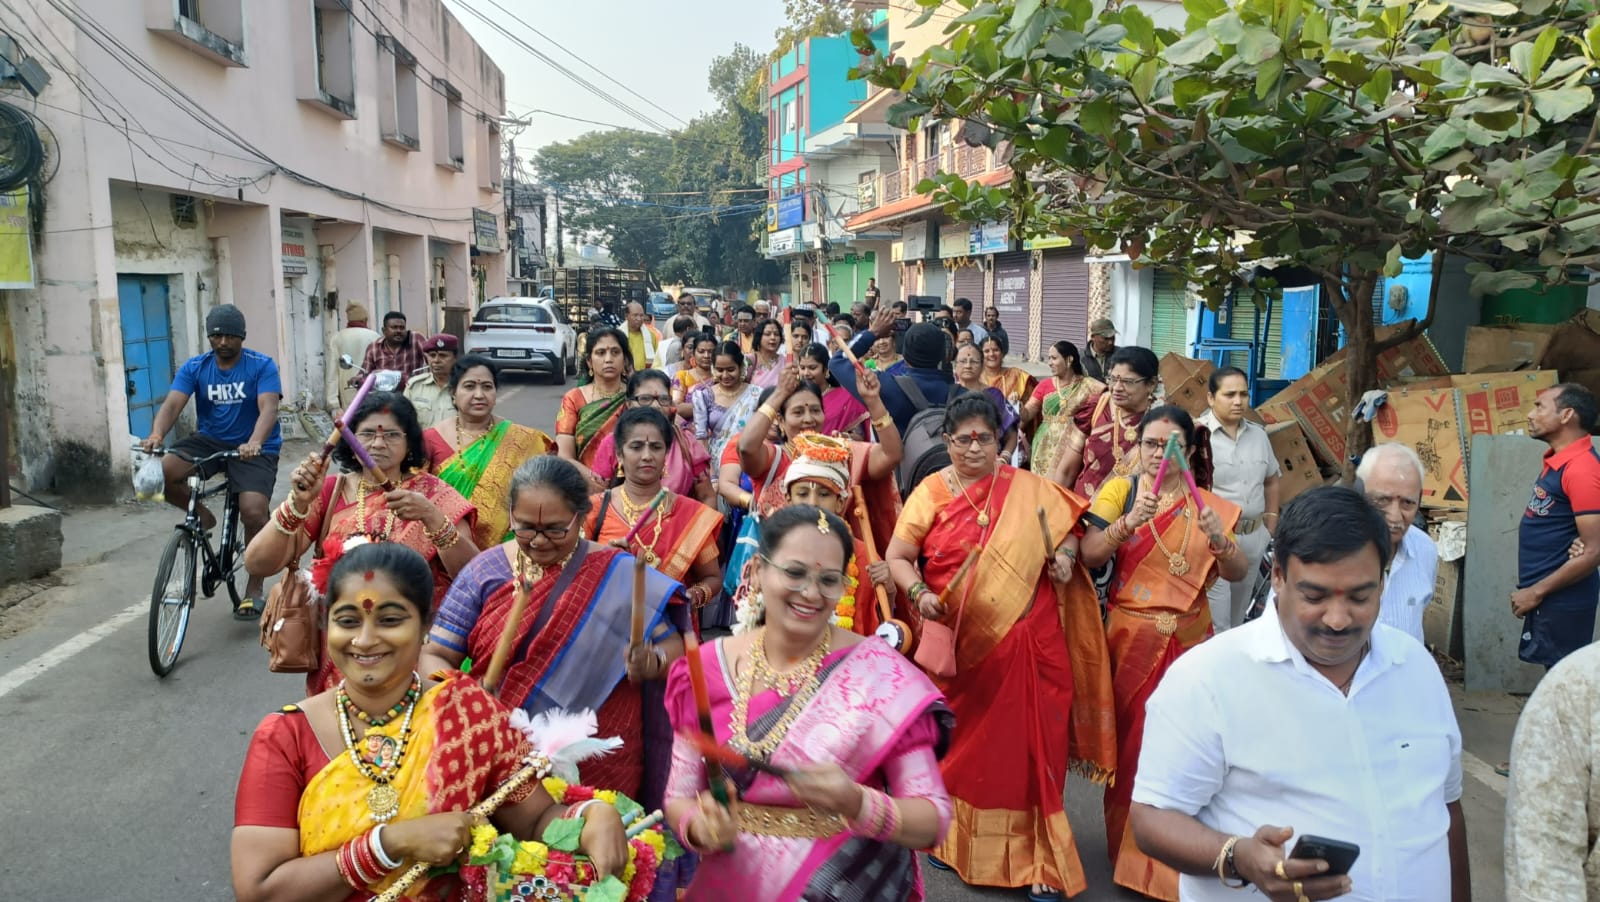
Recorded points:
(338, 422)
(365, 457)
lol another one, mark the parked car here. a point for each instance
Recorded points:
(527, 334)
(661, 305)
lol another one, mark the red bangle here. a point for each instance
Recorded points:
(339, 857)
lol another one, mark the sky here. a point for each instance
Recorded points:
(660, 50)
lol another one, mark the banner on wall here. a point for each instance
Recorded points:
(989, 238)
(294, 251)
(791, 210)
(485, 231)
(16, 248)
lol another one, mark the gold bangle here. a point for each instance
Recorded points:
(1272, 514)
(883, 422)
(448, 541)
(768, 411)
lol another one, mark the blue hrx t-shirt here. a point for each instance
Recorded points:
(225, 399)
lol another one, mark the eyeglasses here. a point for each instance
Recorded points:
(1120, 382)
(974, 439)
(1157, 445)
(553, 533)
(368, 436)
(830, 583)
(652, 400)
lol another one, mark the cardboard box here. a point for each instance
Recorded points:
(1412, 358)
(1441, 619)
(1489, 346)
(1298, 466)
(1429, 422)
(1187, 382)
(1498, 403)
(1321, 411)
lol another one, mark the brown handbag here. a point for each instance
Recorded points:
(291, 629)
(936, 648)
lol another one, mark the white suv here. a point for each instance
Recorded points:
(525, 333)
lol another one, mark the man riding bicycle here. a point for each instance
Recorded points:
(236, 407)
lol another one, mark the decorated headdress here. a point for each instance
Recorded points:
(822, 458)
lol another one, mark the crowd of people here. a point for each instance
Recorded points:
(932, 588)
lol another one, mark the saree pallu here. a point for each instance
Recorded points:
(345, 524)
(680, 532)
(462, 748)
(877, 717)
(841, 412)
(1057, 409)
(1154, 616)
(686, 461)
(1012, 383)
(720, 431)
(587, 421)
(1032, 691)
(482, 473)
(766, 375)
(1111, 443)
(569, 649)
(684, 381)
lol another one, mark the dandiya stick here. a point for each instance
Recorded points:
(864, 523)
(508, 636)
(636, 633)
(338, 424)
(1166, 458)
(972, 558)
(655, 504)
(1183, 467)
(649, 820)
(702, 704)
(845, 347)
(1044, 530)
(734, 758)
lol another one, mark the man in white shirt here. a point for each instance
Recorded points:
(1245, 471)
(1313, 720)
(689, 306)
(1391, 476)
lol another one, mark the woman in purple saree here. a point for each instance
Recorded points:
(857, 727)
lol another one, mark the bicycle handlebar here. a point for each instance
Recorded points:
(220, 455)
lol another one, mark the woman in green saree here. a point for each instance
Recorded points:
(590, 411)
(476, 452)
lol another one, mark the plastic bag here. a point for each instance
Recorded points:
(149, 482)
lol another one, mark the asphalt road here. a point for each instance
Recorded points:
(119, 785)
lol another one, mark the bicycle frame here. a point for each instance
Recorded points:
(216, 563)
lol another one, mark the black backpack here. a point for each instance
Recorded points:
(923, 439)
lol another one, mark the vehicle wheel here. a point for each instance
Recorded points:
(171, 601)
(571, 364)
(558, 373)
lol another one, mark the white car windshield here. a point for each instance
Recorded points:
(513, 313)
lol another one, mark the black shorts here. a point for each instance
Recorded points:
(256, 475)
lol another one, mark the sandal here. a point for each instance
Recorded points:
(1047, 895)
(248, 609)
(1504, 769)
(938, 865)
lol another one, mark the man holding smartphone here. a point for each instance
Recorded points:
(1314, 721)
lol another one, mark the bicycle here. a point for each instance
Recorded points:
(172, 597)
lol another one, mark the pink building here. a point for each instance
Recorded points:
(288, 157)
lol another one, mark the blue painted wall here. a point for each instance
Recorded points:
(833, 94)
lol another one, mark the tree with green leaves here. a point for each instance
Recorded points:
(1340, 136)
(605, 183)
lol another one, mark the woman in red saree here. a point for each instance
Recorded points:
(589, 411)
(331, 514)
(1027, 631)
(856, 725)
(343, 791)
(1167, 553)
(1103, 444)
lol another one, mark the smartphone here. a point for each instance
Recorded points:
(1340, 855)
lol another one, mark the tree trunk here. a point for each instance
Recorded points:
(1352, 300)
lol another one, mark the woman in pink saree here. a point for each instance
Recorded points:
(856, 728)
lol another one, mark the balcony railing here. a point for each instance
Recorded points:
(887, 187)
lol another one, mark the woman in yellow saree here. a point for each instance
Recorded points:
(1168, 551)
(590, 411)
(1054, 404)
(1032, 687)
(477, 452)
(343, 792)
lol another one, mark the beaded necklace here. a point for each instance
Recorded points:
(801, 685)
(386, 754)
(462, 433)
(378, 720)
(363, 488)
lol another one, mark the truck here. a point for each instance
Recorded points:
(581, 289)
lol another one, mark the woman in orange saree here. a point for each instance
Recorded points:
(342, 792)
(1027, 631)
(1167, 553)
(589, 411)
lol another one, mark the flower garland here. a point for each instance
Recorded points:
(502, 869)
(844, 612)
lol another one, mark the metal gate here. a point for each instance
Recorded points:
(1169, 315)
(969, 284)
(1064, 299)
(146, 347)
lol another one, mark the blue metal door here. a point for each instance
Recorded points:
(146, 347)
(1299, 310)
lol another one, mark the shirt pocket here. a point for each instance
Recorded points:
(1420, 767)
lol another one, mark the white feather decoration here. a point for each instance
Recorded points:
(565, 737)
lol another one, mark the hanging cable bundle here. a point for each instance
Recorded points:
(21, 151)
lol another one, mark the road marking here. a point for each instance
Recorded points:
(1473, 766)
(18, 677)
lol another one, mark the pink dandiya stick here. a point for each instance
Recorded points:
(1183, 467)
(1166, 456)
(655, 504)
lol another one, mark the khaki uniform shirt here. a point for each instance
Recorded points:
(1241, 467)
(431, 399)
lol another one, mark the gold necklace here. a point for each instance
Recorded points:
(529, 572)
(1177, 562)
(462, 433)
(630, 515)
(983, 514)
(363, 487)
(805, 675)
(385, 754)
(1344, 687)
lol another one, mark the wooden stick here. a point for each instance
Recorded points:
(864, 523)
(636, 634)
(702, 703)
(844, 346)
(1044, 529)
(972, 558)
(508, 636)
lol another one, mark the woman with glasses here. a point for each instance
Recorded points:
(476, 452)
(1168, 549)
(1032, 684)
(1103, 444)
(589, 411)
(859, 788)
(968, 373)
(332, 514)
(688, 466)
(1055, 402)
(570, 648)
(842, 414)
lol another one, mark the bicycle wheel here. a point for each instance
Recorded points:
(230, 560)
(171, 600)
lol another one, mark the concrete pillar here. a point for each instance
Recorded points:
(255, 248)
(1501, 471)
(408, 266)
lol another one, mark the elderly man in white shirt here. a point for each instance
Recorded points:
(1314, 720)
(1391, 476)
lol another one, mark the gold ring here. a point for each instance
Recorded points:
(1278, 869)
(1299, 890)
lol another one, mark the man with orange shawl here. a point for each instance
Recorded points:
(1027, 630)
(1169, 546)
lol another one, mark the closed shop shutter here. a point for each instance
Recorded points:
(841, 283)
(1247, 324)
(1168, 316)
(1011, 284)
(1064, 300)
(934, 278)
(969, 285)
